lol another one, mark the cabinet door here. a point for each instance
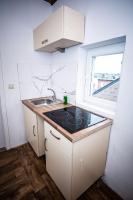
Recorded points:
(31, 129)
(40, 131)
(89, 160)
(38, 37)
(74, 24)
(54, 25)
(59, 159)
(49, 31)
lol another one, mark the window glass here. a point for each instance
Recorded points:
(105, 76)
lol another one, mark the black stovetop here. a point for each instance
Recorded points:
(74, 119)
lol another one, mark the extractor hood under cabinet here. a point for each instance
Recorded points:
(64, 28)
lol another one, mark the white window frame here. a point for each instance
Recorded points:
(87, 99)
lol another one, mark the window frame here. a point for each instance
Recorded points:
(87, 77)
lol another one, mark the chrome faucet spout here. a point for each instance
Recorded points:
(54, 95)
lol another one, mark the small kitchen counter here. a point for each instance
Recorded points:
(74, 161)
(39, 110)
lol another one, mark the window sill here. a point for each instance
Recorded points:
(101, 111)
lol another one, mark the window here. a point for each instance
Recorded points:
(102, 75)
(105, 76)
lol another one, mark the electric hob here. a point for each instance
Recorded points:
(73, 118)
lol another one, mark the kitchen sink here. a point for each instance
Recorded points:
(44, 101)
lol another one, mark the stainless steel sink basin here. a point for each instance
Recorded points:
(44, 101)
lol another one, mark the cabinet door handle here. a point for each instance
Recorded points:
(44, 41)
(54, 135)
(34, 130)
(45, 144)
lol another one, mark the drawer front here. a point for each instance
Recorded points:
(57, 138)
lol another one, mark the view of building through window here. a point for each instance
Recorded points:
(105, 76)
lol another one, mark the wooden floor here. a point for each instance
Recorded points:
(23, 176)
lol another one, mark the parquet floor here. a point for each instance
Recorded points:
(23, 177)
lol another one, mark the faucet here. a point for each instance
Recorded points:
(54, 95)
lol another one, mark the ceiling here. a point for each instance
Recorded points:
(51, 1)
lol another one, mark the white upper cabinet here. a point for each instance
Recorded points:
(64, 28)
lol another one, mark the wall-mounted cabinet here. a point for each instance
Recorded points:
(64, 28)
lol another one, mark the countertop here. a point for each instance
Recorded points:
(39, 110)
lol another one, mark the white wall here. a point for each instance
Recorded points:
(17, 20)
(106, 20)
(65, 80)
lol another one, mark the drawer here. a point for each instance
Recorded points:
(55, 137)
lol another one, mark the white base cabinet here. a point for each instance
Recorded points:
(74, 167)
(34, 126)
(59, 159)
